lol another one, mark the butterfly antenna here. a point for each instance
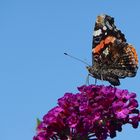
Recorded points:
(76, 58)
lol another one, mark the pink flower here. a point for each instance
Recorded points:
(96, 112)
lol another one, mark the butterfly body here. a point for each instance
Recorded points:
(113, 57)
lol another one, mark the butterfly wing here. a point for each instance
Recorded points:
(104, 32)
(113, 57)
(119, 61)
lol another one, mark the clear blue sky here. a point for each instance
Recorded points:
(34, 73)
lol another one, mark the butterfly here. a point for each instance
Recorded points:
(112, 57)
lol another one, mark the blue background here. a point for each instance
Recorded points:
(34, 73)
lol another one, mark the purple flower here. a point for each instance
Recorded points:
(121, 110)
(96, 112)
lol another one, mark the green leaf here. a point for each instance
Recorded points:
(38, 121)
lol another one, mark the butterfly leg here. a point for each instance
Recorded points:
(102, 79)
(87, 79)
(95, 81)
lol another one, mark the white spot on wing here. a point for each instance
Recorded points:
(104, 28)
(97, 32)
(106, 51)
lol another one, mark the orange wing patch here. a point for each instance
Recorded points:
(133, 53)
(109, 39)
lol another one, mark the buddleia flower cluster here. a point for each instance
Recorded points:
(95, 113)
